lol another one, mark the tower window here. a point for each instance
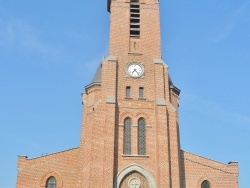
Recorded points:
(141, 137)
(127, 137)
(205, 184)
(141, 92)
(134, 18)
(128, 92)
(51, 182)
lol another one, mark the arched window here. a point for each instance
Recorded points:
(51, 182)
(205, 184)
(141, 137)
(127, 137)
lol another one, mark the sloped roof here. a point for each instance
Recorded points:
(108, 4)
(98, 75)
(171, 85)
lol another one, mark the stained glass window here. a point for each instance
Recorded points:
(51, 182)
(205, 184)
(127, 137)
(141, 137)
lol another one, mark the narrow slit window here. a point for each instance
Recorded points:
(134, 18)
(141, 92)
(128, 92)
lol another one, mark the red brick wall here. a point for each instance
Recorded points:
(99, 160)
(33, 173)
(196, 169)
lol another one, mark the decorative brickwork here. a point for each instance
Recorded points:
(130, 128)
(134, 180)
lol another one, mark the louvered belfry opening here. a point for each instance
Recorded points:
(135, 18)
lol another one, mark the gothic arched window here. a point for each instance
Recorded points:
(141, 137)
(205, 184)
(51, 182)
(127, 137)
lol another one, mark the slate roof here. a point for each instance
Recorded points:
(98, 75)
(108, 4)
(98, 78)
(171, 85)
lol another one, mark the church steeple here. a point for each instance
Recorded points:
(134, 27)
(130, 129)
(131, 109)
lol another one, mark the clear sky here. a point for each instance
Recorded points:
(49, 51)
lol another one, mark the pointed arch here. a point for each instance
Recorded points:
(49, 175)
(205, 182)
(138, 169)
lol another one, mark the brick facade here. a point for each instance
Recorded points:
(100, 160)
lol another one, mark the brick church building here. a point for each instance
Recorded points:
(130, 130)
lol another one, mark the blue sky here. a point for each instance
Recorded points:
(49, 51)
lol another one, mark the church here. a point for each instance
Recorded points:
(130, 128)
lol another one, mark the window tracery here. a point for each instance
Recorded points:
(127, 137)
(141, 137)
(51, 182)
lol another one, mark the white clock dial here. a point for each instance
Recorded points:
(135, 70)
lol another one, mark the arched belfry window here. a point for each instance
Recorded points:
(127, 137)
(141, 137)
(205, 184)
(51, 182)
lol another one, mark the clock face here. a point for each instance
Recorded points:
(135, 70)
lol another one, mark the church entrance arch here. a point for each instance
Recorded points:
(135, 176)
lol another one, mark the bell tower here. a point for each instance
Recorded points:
(130, 132)
(134, 27)
(130, 129)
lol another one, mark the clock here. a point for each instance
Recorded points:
(135, 70)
